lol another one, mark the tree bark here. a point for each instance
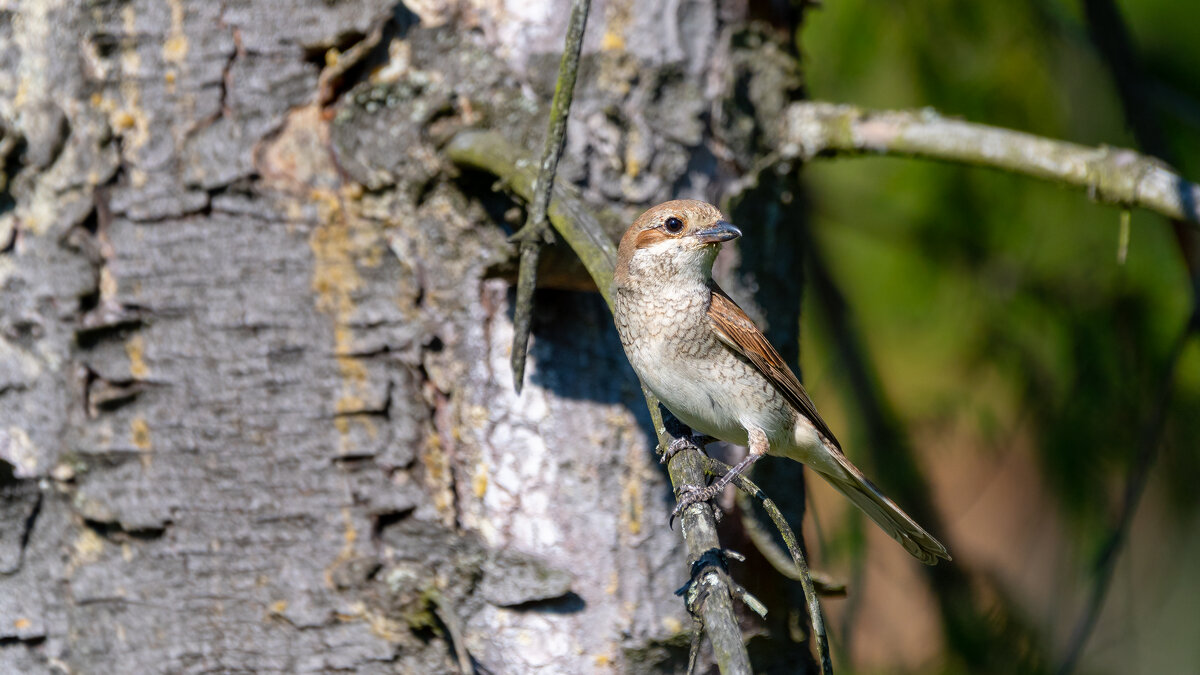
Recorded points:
(255, 411)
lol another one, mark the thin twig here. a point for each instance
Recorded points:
(718, 468)
(536, 232)
(1110, 175)
(777, 557)
(578, 226)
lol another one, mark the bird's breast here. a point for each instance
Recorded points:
(676, 353)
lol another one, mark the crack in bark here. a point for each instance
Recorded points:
(115, 530)
(26, 529)
(357, 54)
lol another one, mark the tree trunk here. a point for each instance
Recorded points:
(255, 407)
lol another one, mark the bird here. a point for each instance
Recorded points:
(696, 350)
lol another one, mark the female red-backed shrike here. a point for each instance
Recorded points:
(714, 370)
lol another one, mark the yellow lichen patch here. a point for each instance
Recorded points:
(122, 121)
(612, 41)
(279, 607)
(345, 440)
(339, 247)
(297, 162)
(438, 476)
(633, 166)
(603, 661)
(139, 432)
(175, 48)
(479, 482)
(349, 403)
(477, 416)
(614, 583)
(633, 151)
(349, 536)
(87, 547)
(131, 93)
(22, 93)
(617, 19)
(352, 368)
(335, 278)
(672, 625)
(108, 284)
(22, 623)
(632, 497)
(135, 349)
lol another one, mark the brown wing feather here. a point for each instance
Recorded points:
(740, 334)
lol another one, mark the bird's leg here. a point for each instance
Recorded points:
(691, 494)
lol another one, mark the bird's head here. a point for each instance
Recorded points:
(674, 239)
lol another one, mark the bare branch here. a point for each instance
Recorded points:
(825, 585)
(536, 232)
(1110, 175)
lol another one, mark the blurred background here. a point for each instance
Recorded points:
(1023, 361)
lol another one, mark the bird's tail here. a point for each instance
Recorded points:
(851, 482)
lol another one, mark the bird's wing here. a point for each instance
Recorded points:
(740, 334)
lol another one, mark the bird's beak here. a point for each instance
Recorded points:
(721, 231)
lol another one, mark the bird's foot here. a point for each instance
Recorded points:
(681, 443)
(693, 494)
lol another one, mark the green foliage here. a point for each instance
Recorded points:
(995, 297)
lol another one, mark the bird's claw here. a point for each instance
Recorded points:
(677, 446)
(681, 443)
(692, 494)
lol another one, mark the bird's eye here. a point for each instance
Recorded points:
(673, 225)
